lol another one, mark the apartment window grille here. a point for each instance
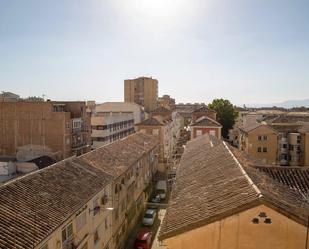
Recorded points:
(67, 232)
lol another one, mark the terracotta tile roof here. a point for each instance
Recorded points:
(151, 122)
(33, 206)
(249, 127)
(203, 109)
(287, 127)
(117, 157)
(161, 109)
(293, 177)
(211, 184)
(206, 121)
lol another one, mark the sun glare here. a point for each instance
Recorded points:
(156, 12)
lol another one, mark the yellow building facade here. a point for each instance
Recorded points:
(239, 232)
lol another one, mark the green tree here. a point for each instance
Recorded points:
(226, 114)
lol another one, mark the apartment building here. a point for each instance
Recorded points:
(219, 201)
(53, 128)
(106, 108)
(132, 162)
(63, 206)
(165, 126)
(260, 141)
(88, 202)
(274, 139)
(142, 91)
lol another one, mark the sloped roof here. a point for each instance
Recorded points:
(249, 127)
(117, 157)
(34, 206)
(293, 177)
(206, 121)
(252, 126)
(161, 109)
(204, 109)
(211, 184)
(151, 122)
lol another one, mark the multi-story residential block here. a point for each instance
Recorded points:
(260, 141)
(275, 139)
(32, 129)
(107, 108)
(109, 127)
(204, 125)
(132, 162)
(142, 91)
(63, 206)
(91, 201)
(167, 102)
(165, 126)
(219, 201)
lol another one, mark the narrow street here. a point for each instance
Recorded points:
(155, 229)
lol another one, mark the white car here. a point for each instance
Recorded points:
(149, 217)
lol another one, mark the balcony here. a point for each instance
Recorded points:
(79, 146)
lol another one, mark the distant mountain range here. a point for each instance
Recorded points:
(285, 104)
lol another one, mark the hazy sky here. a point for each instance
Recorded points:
(249, 51)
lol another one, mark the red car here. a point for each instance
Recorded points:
(143, 239)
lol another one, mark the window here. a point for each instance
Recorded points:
(81, 221)
(265, 138)
(260, 138)
(106, 223)
(213, 133)
(96, 237)
(155, 132)
(265, 149)
(199, 133)
(259, 149)
(95, 206)
(67, 232)
(255, 221)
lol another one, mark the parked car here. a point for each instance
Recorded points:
(156, 199)
(149, 217)
(161, 189)
(143, 239)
